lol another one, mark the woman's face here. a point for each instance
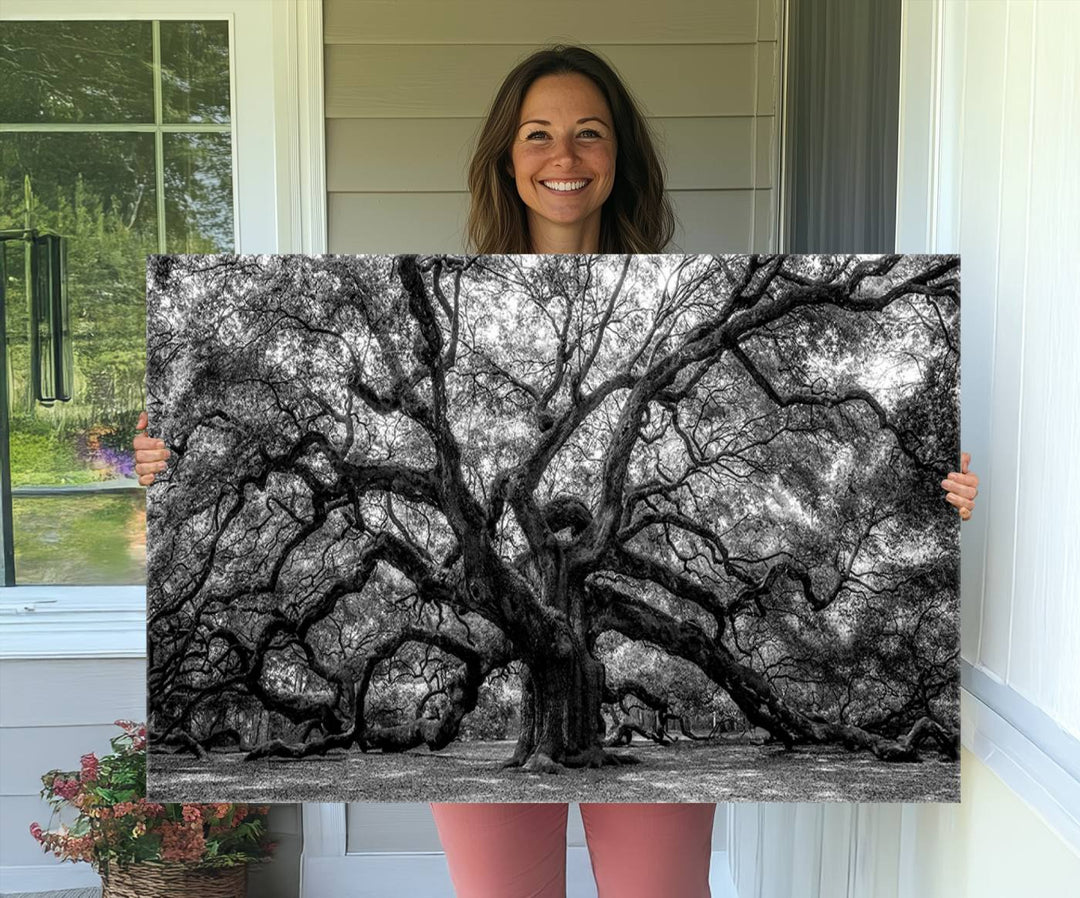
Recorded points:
(563, 154)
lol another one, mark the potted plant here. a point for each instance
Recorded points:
(141, 847)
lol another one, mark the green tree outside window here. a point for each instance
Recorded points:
(117, 135)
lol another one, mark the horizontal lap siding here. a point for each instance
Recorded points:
(709, 221)
(393, 155)
(53, 712)
(480, 22)
(408, 84)
(460, 79)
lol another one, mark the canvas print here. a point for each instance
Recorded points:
(553, 527)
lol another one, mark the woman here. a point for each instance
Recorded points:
(565, 164)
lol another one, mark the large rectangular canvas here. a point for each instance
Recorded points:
(553, 527)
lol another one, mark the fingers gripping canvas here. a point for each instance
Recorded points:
(553, 527)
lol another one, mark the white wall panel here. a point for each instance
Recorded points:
(1010, 272)
(1004, 190)
(1044, 640)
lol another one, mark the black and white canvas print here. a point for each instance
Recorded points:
(553, 527)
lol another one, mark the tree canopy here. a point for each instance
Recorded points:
(395, 478)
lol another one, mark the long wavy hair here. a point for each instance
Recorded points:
(635, 218)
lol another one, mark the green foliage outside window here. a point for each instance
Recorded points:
(98, 182)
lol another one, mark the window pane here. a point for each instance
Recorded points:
(198, 193)
(76, 72)
(195, 71)
(98, 190)
(81, 539)
(79, 515)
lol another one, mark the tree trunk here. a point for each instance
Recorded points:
(562, 724)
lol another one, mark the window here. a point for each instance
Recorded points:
(117, 135)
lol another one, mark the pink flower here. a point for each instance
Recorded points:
(181, 842)
(35, 831)
(89, 767)
(66, 789)
(150, 808)
(219, 809)
(192, 814)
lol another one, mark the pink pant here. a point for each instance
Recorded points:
(519, 850)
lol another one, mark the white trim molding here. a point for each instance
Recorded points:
(298, 39)
(38, 622)
(919, 111)
(1034, 756)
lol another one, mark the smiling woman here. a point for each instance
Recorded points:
(562, 117)
(564, 165)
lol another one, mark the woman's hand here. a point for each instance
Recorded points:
(963, 487)
(150, 454)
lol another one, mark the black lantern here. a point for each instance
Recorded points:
(50, 325)
(51, 360)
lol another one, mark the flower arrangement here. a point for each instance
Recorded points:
(117, 825)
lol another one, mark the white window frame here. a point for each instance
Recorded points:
(279, 199)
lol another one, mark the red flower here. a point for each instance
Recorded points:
(89, 767)
(67, 789)
(181, 841)
(35, 831)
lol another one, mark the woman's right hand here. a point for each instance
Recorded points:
(150, 454)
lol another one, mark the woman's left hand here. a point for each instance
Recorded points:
(962, 487)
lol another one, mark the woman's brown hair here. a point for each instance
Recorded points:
(636, 217)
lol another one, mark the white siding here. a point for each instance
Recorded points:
(407, 85)
(57, 709)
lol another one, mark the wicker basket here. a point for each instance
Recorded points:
(163, 880)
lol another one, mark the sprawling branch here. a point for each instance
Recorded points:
(831, 400)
